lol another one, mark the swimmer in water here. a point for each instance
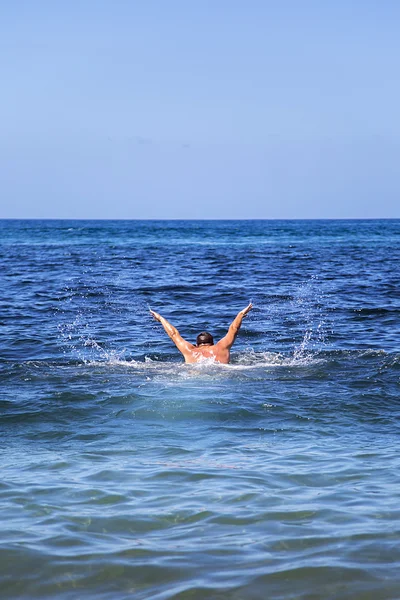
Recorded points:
(205, 347)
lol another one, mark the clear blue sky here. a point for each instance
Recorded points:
(211, 109)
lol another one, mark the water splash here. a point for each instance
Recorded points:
(84, 312)
(76, 338)
(93, 320)
(308, 304)
(296, 321)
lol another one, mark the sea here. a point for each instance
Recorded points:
(127, 474)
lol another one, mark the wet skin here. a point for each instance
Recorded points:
(219, 352)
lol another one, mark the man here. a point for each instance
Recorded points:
(205, 347)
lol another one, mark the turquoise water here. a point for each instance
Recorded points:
(128, 474)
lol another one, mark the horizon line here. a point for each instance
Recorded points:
(200, 219)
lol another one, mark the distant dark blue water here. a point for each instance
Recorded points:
(128, 474)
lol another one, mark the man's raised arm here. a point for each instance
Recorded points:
(230, 337)
(173, 333)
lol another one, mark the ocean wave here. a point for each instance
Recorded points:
(260, 363)
(249, 358)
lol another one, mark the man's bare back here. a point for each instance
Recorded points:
(208, 351)
(205, 347)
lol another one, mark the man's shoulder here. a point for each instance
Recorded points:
(221, 349)
(187, 346)
(222, 344)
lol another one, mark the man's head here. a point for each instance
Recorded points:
(205, 339)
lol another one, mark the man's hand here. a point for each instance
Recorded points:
(155, 315)
(246, 310)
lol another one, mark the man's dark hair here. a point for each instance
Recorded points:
(205, 338)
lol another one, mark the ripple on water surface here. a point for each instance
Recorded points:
(127, 474)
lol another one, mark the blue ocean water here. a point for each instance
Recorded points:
(128, 474)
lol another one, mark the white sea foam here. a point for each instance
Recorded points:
(246, 361)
